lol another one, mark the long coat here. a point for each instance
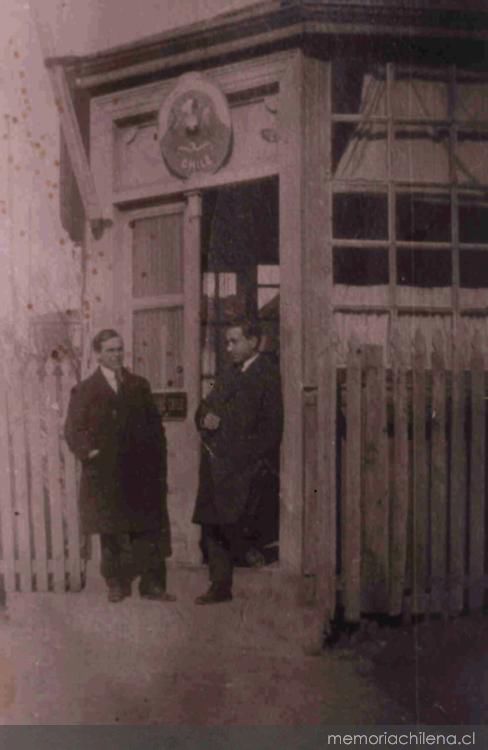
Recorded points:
(123, 489)
(250, 408)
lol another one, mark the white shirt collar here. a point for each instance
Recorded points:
(109, 377)
(249, 362)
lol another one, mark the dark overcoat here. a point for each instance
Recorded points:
(123, 489)
(250, 408)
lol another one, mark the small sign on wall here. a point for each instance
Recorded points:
(172, 405)
(195, 127)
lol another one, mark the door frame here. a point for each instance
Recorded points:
(285, 71)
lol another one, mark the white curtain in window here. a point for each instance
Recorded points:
(420, 152)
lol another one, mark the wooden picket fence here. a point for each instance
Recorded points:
(40, 544)
(409, 491)
(395, 517)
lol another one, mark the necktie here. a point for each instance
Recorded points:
(118, 379)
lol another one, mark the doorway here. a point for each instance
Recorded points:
(240, 267)
(241, 278)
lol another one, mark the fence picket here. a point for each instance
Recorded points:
(378, 479)
(37, 484)
(327, 457)
(420, 477)
(400, 494)
(439, 464)
(70, 487)
(351, 496)
(458, 504)
(375, 501)
(6, 506)
(55, 477)
(21, 493)
(478, 476)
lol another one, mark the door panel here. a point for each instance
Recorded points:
(164, 350)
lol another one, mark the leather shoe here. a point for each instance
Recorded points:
(215, 595)
(255, 558)
(116, 593)
(157, 594)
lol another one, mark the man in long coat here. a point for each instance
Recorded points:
(240, 424)
(114, 429)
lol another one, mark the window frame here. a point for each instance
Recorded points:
(453, 190)
(166, 301)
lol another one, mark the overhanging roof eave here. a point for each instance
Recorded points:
(267, 24)
(242, 23)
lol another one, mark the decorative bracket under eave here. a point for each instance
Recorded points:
(98, 226)
(71, 132)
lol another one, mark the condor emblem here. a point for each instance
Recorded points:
(195, 128)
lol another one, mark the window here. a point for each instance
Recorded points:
(410, 186)
(157, 299)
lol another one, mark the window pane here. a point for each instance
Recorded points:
(360, 215)
(423, 218)
(156, 256)
(424, 268)
(421, 154)
(473, 269)
(357, 89)
(359, 152)
(472, 156)
(158, 347)
(420, 93)
(360, 266)
(220, 300)
(268, 299)
(270, 341)
(472, 96)
(473, 218)
(269, 275)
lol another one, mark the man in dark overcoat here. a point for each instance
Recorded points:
(114, 429)
(240, 424)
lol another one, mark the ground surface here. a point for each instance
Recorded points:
(76, 659)
(436, 671)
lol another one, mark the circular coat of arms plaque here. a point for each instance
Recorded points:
(195, 127)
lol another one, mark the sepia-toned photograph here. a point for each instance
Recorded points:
(244, 368)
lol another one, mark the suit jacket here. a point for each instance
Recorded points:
(123, 488)
(250, 408)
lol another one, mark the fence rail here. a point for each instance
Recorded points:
(411, 476)
(40, 543)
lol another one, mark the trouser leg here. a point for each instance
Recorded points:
(116, 563)
(148, 559)
(220, 545)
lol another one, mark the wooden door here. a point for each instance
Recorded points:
(161, 300)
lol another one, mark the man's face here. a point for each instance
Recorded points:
(239, 347)
(111, 355)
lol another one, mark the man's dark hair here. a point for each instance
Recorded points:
(105, 335)
(250, 328)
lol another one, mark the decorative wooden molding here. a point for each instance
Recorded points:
(235, 80)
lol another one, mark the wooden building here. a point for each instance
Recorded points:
(322, 164)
